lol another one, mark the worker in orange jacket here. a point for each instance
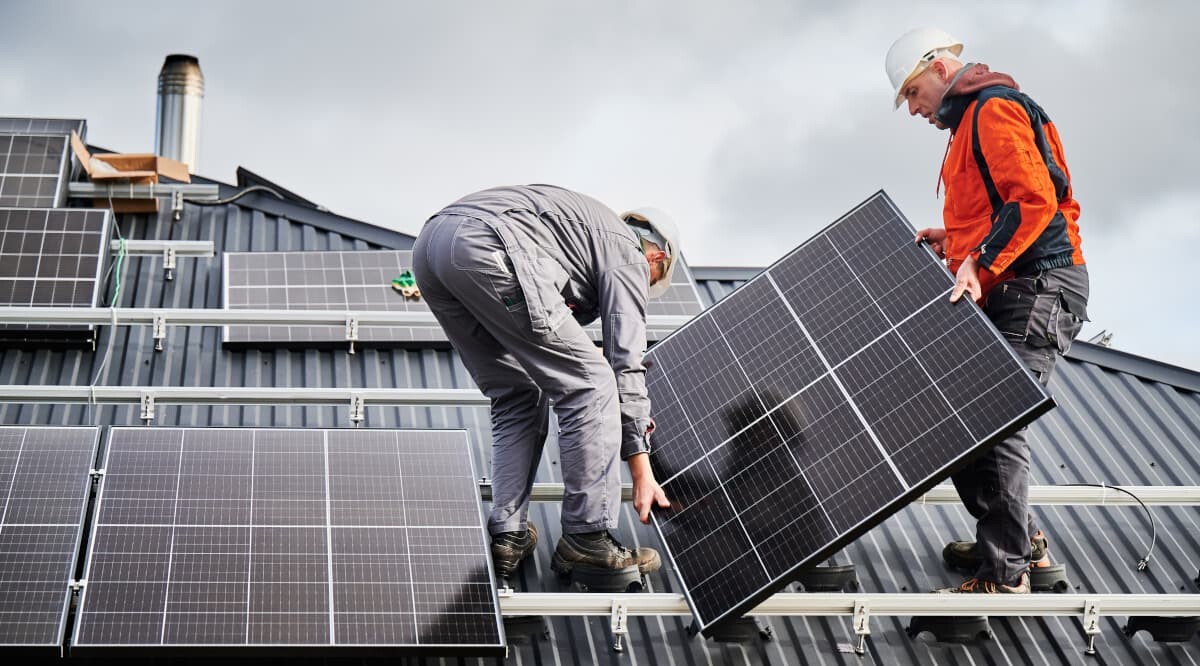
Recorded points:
(1011, 238)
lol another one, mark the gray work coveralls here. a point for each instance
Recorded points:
(513, 274)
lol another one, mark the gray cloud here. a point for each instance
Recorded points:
(756, 123)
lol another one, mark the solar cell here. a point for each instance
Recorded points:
(815, 401)
(283, 541)
(44, 484)
(33, 170)
(362, 281)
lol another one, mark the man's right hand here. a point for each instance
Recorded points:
(936, 237)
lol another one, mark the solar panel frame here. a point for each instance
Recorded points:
(87, 441)
(335, 516)
(35, 177)
(681, 299)
(691, 477)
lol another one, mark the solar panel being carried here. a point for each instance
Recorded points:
(817, 400)
(362, 280)
(278, 541)
(44, 483)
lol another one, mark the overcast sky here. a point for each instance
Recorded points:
(754, 123)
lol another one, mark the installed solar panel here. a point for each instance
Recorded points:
(43, 126)
(276, 541)
(33, 170)
(51, 258)
(44, 484)
(815, 401)
(362, 281)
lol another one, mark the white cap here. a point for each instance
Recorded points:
(657, 227)
(912, 53)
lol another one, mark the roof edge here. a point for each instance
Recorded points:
(1140, 366)
(321, 219)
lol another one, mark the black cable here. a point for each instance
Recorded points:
(1143, 563)
(235, 197)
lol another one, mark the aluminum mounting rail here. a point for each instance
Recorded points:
(181, 248)
(838, 603)
(241, 395)
(222, 317)
(1042, 495)
(195, 192)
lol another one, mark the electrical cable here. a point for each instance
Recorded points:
(114, 270)
(1143, 563)
(235, 197)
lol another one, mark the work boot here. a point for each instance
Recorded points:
(509, 548)
(599, 550)
(977, 586)
(964, 555)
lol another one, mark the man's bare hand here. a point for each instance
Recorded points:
(936, 237)
(646, 492)
(967, 281)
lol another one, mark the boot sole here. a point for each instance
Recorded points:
(564, 568)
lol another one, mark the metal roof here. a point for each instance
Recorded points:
(1120, 419)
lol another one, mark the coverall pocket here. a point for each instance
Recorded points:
(1010, 305)
(1054, 322)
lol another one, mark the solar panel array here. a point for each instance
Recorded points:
(33, 170)
(44, 484)
(815, 401)
(362, 281)
(350, 540)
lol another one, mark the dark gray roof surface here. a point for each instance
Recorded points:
(1117, 422)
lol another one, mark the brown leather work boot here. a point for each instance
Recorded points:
(509, 548)
(601, 551)
(964, 556)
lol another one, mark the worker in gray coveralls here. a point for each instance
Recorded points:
(513, 274)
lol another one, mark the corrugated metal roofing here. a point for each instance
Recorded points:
(1114, 424)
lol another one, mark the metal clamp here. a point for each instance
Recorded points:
(77, 585)
(357, 409)
(96, 473)
(169, 262)
(1091, 625)
(862, 625)
(147, 402)
(352, 331)
(177, 205)
(620, 625)
(160, 332)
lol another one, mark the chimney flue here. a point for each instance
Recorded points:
(180, 89)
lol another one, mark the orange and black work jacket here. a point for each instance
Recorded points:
(1008, 190)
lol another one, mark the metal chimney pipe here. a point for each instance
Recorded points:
(177, 129)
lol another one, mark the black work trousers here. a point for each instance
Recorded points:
(1039, 315)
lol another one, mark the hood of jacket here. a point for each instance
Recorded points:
(967, 82)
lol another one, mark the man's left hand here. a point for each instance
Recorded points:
(967, 281)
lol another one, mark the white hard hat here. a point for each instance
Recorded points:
(912, 53)
(657, 227)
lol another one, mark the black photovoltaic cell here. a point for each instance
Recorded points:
(33, 170)
(44, 482)
(815, 401)
(362, 281)
(236, 540)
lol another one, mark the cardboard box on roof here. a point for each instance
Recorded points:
(131, 168)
